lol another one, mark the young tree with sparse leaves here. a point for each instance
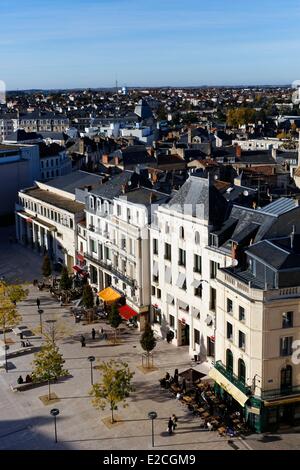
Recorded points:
(148, 341)
(46, 266)
(9, 315)
(114, 319)
(114, 386)
(48, 365)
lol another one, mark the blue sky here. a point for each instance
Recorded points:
(91, 43)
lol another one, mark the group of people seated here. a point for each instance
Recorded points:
(28, 379)
(168, 380)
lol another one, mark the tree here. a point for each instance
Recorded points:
(65, 281)
(9, 316)
(148, 341)
(88, 296)
(114, 319)
(55, 330)
(48, 365)
(46, 266)
(114, 386)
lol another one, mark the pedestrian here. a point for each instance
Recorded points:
(20, 380)
(170, 426)
(82, 340)
(28, 379)
(176, 376)
(38, 303)
(93, 333)
(174, 419)
(183, 386)
(101, 332)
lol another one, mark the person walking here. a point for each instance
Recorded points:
(174, 420)
(38, 303)
(82, 340)
(170, 426)
(93, 333)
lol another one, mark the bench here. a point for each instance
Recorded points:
(26, 386)
(21, 351)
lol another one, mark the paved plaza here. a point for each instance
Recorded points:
(25, 422)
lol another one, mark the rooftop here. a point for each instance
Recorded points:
(55, 200)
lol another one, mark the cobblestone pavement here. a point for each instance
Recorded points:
(25, 423)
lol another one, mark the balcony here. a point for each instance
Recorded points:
(279, 393)
(108, 266)
(233, 378)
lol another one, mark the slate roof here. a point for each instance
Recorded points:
(77, 179)
(200, 197)
(20, 136)
(271, 253)
(114, 187)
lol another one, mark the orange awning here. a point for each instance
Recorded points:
(109, 295)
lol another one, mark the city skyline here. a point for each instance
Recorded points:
(94, 44)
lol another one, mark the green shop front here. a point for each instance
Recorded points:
(267, 413)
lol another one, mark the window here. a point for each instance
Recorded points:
(198, 291)
(242, 340)
(81, 247)
(181, 233)
(197, 238)
(172, 321)
(213, 269)
(119, 210)
(153, 290)
(241, 313)
(229, 306)
(98, 205)
(212, 303)
(93, 274)
(286, 379)
(155, 246)
(71, 223)
(286, 345)
(157, 315)
(229, 331)
(229, 360)
(168, 251)
(287, 320)
(197, 336)
(167, 228)
(158, 293)
(241, 370)
(128, 215)
(123, 243)
(181, 257)
(93, 246)
(197, 264)
(210, 346)
(91, 202)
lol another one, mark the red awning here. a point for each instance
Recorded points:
(126, 312)
(78, 269)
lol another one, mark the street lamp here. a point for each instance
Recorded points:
(40, 311)
(91, 359)
(55, 412)
(152, 415)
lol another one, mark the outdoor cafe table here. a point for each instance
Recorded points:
(187, 399)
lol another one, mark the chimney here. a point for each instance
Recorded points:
(238, 151)
(292, 236)
(105, 159)
(124, 188)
